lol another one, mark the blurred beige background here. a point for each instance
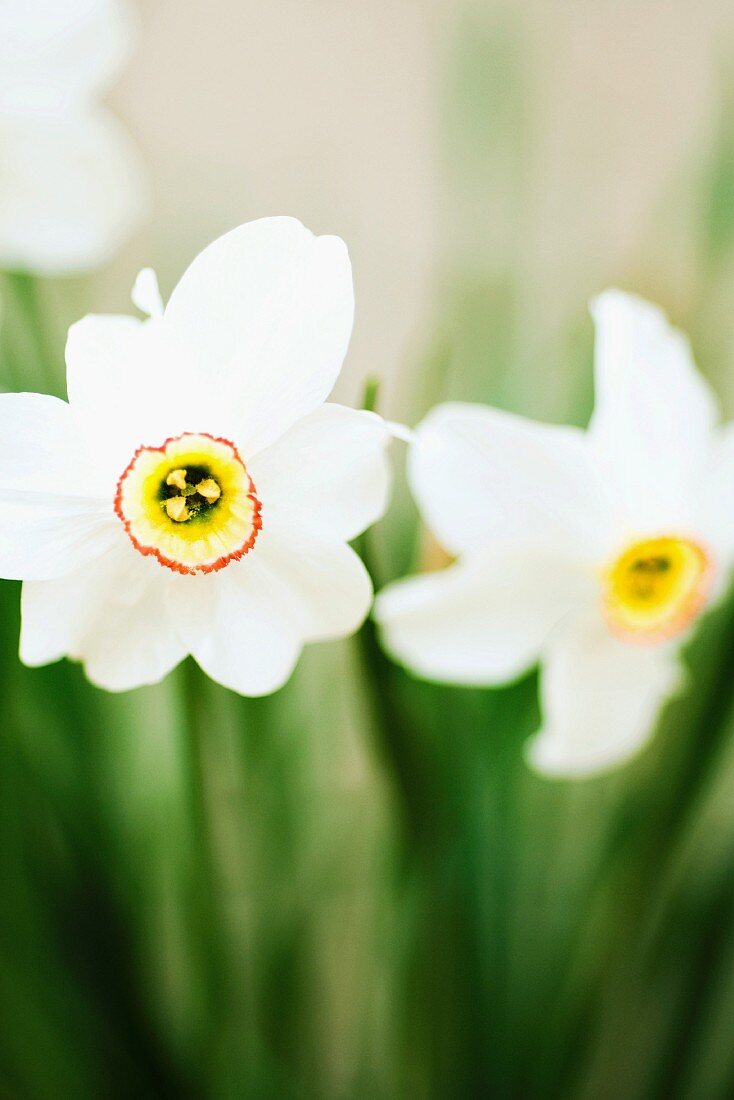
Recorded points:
(344, 113)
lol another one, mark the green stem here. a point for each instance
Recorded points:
(205, 880)
(37, 364)
(709, 726)
(391, 736)
(643, 865)
(713, 929)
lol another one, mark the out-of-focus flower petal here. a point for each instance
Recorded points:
(653, 417)
(632, 502)
(484, 621)
(55, 53)
(600, 698)
(71, 190)
(479, 474)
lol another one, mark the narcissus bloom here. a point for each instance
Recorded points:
(196, 495)
(592, 552)
(71, 185)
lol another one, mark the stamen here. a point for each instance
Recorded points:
(190, 503)
(177, 509)
(177, 478)
(209, 490)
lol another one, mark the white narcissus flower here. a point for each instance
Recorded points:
(592, 552)
(71, 183)
(196, 495)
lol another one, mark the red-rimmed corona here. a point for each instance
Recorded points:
(189, 503)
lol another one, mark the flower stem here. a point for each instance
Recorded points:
(641, 862)
(204, 878)
(393, 737)
(708, 725)
(35, 364)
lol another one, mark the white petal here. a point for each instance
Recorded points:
(43, 536)
(146, 294)
(40, 438)
(108, 359)
(72, 190)
(268, 308)
(112, 615)
(714, 501)
(234, 633)
(319, 586)
(117, 370)
(246, 625)
(400, 431)
(654, 413)
(51, 518)
(132, 385)
(600, 700)
(481, 622)
(328, 473)
(56, 52)
(479, 474)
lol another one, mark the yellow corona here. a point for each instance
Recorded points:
(655, 588)
(190, 503)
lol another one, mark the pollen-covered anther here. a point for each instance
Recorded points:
(177, 478)
(656, 588)
(209, 490)
(177, 509)
(189, 503)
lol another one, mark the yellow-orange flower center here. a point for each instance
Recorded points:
(656, 588)
(190, 503)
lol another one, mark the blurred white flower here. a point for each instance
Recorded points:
(71, 183)
(196, 495)
(593, 552)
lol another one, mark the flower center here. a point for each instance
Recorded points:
(655, 589)
(190, 503)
